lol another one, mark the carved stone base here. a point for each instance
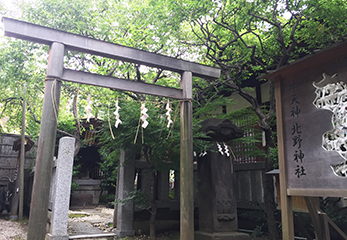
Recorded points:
(199, 235)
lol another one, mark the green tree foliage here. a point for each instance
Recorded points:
(245, 38)
(249, 38)
(156, 145)
(132, 23)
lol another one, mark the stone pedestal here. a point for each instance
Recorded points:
(216, 198)
(125, 212)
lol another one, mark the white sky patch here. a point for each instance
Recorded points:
(11, 10)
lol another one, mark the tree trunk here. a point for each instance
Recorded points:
(77, 134)
(153, 206)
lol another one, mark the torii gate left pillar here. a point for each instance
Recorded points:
(45, 149)
(59, 41)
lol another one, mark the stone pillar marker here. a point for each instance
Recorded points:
(60, 190)
(216, 197)
(125, 212)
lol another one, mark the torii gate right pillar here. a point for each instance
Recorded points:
(186, 161)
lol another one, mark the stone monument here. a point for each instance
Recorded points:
(216, 198)
(124, 213)
(60, 190)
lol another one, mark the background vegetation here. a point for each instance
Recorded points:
(245, 38)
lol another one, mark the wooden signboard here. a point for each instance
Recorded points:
(313, 101)
(311, 109)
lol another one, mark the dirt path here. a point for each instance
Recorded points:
(90, 220)
(93, 220)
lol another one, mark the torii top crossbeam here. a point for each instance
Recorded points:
(45, 35)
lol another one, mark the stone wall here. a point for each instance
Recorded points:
(8, 157)
(9, 170)
(87, 194)
(250, 189)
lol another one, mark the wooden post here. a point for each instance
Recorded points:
(186, 162)
(15, 195)
(22, 161)
(46, 144)
(286, 201)
(319, 219)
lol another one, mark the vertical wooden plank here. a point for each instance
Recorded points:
(286, 201)
(186, 160)
(22, 160)
(46, 144)
(325, 226)
(15, 197)
(313, 209)
(115, 206)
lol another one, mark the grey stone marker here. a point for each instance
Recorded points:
(60, 190)
(125, 212)
(216, 197)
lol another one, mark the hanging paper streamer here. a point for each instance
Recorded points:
(226, 150)
(118, 121)
(144, 115)
(220, 149)
(89, 108)
(203, 153)
(168, 114)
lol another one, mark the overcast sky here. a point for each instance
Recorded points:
(12, 12)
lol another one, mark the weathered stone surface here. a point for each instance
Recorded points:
(125, 212)
(60, 190)
(217, 203)
(216, 197)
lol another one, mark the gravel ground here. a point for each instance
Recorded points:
(12, 230)
(96, 220)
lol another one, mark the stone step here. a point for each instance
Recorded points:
(98, 236)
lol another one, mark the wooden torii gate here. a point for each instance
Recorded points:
(59, 41)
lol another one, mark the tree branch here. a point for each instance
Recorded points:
(39, 122)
